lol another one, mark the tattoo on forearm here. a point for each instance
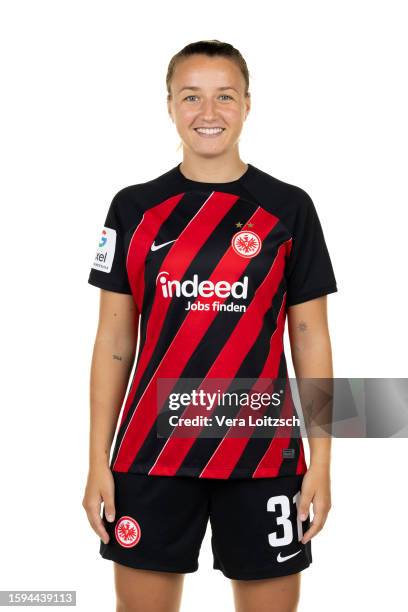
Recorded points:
(117, 357)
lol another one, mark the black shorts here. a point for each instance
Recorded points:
(161, 521)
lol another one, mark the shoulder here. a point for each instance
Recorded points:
(144, 194)
(130, 203)
(274, 193)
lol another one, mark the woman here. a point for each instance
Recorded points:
(202, 265)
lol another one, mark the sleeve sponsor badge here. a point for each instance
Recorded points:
(105, 251)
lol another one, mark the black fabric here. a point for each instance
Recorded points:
(253, 523)
(117, 278)
(309, 272)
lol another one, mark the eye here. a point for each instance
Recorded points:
(228, 97)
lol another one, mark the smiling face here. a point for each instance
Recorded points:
(208, 104)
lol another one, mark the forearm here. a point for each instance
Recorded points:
(110, 369)
(313, 359)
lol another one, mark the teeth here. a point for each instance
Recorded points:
(209, 130)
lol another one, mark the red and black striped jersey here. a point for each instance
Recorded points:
(212, 268)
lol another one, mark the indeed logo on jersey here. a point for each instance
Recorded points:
(105, 251)
(206, 288)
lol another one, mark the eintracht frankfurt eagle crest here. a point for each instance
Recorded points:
(246, 243)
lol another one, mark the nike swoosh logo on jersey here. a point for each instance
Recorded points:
(156, 247)
(280, 558)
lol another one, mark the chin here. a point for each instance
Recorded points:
(209, 154)
(210, 148)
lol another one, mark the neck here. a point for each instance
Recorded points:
(220, 169)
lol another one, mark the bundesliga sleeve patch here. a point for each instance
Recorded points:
(105, 251)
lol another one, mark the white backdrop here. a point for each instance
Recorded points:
(83, 115)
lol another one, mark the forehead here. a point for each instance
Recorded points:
(207, 72)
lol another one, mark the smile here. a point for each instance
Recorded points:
(209, 132)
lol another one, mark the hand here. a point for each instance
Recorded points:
(100, 487)
(316, 489)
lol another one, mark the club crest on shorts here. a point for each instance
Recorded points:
(246, 243)
(127, 531)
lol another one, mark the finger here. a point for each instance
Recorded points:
(315, 526)
(109, 506)
(304, 505)
(97, 525)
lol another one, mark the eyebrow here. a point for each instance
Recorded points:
(194, 88)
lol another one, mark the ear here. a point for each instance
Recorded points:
(248, 106)
(169, 110)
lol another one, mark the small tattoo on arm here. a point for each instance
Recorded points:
(117, 357)
(302, 326)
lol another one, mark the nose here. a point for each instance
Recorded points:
(208, 109)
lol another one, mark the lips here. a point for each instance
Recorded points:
(209, 132)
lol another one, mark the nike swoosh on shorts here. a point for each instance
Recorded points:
(280, 558)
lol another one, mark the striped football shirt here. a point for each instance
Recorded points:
(212, 269)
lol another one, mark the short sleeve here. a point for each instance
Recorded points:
(108, 270)
(309, 271)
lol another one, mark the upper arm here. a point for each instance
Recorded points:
(118, 312)
(307, 321)
(309, 271)
(118, 319)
